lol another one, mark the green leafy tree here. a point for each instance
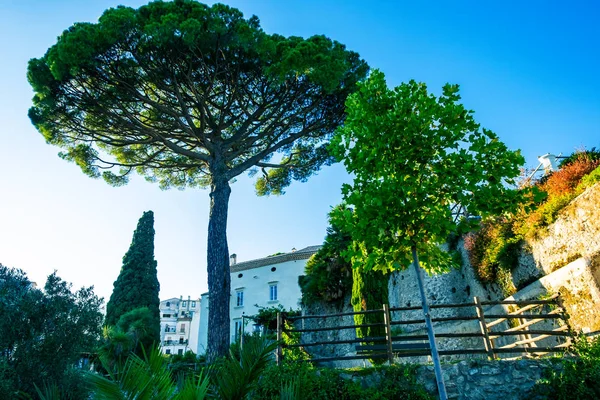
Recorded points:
(44, 333)
(189, 95)
(417, 158)
(137, 286)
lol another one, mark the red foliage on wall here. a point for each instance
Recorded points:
(568, 177)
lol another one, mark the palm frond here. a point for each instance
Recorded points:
(235, 380)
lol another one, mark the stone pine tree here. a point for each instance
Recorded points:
(189, 95)
(137, 285)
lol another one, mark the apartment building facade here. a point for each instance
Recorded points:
(179, 323)
(265, 282)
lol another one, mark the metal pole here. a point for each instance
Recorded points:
(242, 334)
(434, 352)
(279, 354)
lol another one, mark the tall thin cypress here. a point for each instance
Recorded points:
(137, 285)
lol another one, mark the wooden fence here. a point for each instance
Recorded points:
(499, 328)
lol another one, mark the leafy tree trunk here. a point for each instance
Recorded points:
(219, 280)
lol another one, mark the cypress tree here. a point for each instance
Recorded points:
(137, 285)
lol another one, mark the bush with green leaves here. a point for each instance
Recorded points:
(152, 376)
(147, 378)
(394, 382)
(579, 378)
(369, 292)
(328, 275)
(43, 333)
(494, 251)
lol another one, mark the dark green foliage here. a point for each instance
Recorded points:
(328, 275)
(580, 376)
(187, 364)
(267, 316)
(147, 378)
(134, 332)
(43, 334)
(137, 285)
(155, 376)
(235, 379)
(369, 292)
(395, 382)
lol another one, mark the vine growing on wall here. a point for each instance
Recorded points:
(369, 292)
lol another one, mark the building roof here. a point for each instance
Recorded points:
(302, 254)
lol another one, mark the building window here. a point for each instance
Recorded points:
(168, 351)
(168, 304)
(239, 298)
(193, 304)
(182, 329)
(166, 315)
(273, 292)
(237, 329)
(180, 352)
(183, 304)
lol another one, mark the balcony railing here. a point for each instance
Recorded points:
(174, 342)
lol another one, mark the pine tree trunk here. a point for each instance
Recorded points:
(219, 280)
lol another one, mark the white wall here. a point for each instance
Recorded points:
(203, 324)
(255, 285)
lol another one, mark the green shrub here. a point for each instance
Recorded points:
(580, 376)
(589, 180)
(395, 382)
(369, 292)
(494, 252)
(328, 275)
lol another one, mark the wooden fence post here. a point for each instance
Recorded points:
(486, 337)
(279, 354)
(388, 332)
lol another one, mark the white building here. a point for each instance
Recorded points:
(179, 322)
(266, 282)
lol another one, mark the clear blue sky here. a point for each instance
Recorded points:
(529, 69)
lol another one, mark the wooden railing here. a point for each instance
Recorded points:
(499, 327)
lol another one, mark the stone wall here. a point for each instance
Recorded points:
(545, 267)
(489, 380)
(325, 351)
(477, 379)
(575, 234)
